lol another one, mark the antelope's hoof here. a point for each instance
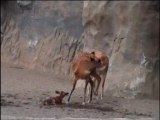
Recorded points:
(83, 103)
(67, 102)
(97, 98)
(101, 97)
(89, 101)
(96, 93)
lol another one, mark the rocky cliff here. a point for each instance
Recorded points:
(129, 33)
(41, 35)
(47, 35)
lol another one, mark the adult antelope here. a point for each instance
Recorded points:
(83, 67)
(101, 70)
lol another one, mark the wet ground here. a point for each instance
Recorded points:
(22, 91)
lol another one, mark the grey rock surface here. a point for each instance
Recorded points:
(128, 31)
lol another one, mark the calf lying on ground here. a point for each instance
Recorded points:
(55, 100)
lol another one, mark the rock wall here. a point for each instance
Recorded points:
(47, 35)
(41, 35)
(129, 33)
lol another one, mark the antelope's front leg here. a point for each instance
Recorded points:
(74, 85)
(85, 89)
(98, 78)
(91, 91)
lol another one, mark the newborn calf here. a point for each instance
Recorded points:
(55, 100)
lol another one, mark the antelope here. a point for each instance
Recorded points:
(101, 70)
(55, 100)
(83, 66)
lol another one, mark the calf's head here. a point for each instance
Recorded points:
(62, 93)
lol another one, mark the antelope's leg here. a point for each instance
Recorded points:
(91, 92)
(98, 78)
(89, 89)
(85, 89)
(103, 82)
(104, 78)
(94, 84)
(74, 85)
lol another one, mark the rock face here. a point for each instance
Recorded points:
(41, 35)
(129, 33)
(47, 35)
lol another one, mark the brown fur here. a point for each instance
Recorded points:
(102, 70)
(83, 66)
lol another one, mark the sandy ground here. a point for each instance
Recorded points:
(23, 89)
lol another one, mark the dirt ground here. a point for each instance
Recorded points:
(23, 89)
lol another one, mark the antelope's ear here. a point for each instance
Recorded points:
(57, 92)
(66, 93)
(93, 52)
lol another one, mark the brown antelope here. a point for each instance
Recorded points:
(55, 100)
(101, 70)
(83, 66)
